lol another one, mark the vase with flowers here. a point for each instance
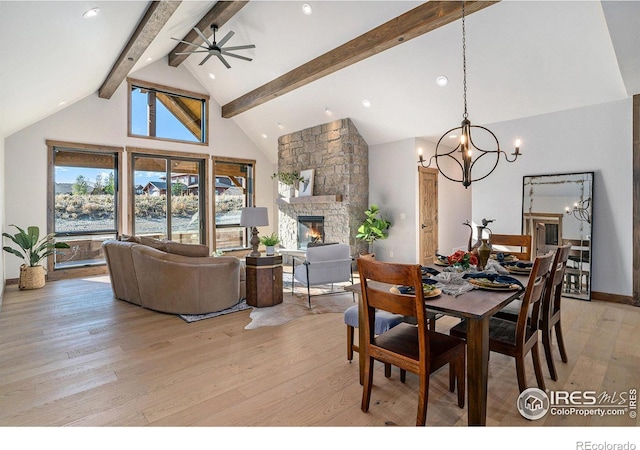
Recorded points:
(462, 259)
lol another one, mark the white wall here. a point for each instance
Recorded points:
(393, 186)
(596, 138)
(3, 225)
(93, 120)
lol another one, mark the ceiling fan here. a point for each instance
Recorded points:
(215, 48)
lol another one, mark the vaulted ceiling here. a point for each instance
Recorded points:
(524, 58)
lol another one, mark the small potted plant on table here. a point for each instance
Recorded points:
(270, 242)
(32, 250)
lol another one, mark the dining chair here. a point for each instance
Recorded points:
(551, 316)
(412, 348)
(518, 338)
(550, 309)
(518, 245)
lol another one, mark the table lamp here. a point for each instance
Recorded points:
(253, 217)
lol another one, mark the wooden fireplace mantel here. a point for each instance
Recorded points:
(310, 199)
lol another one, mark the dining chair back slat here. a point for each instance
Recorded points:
(518, 245)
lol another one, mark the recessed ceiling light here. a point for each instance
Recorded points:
(280, 126)
(212, 76)
(91, 13)
(306, 9)
(264, 135)
(327, 111)
(149, 59)
(366, 103)
(442, 81)
(453, 136)
(62, 102)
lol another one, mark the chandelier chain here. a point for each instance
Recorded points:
(464, 64)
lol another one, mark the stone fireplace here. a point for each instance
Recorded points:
(340, 159)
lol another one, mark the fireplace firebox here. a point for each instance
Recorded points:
(310, 229)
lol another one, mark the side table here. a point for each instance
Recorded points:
(264, 280)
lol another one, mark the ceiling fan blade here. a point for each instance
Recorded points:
(236, 56)
(226, 38)
(240, 47)
(190, 43)
(206, 59)
(192, 52)
(224, 61)
(203, 36)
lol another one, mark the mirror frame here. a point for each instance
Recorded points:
(582, 246)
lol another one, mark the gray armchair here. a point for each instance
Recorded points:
(323, 265)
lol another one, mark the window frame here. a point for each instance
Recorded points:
(250, 196)
(52, 145)
(204, 158)
(131, 82)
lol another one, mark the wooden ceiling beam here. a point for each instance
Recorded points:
(219, 14)
(156, 16)
(420, 20)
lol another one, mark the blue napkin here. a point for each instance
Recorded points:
(495, 278)
(429, 270)
(519, 264)
(501, 256)
(410, 290)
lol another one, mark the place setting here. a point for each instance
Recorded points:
(493, 281)
(429, 289)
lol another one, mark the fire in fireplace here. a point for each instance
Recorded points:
(310, 229)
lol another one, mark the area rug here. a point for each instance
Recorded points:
(297, 305)
(241, 306)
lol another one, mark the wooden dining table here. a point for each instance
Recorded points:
(476, 306)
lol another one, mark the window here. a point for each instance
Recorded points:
(233, 191)
(165, 113)
(83, 201)
(166, 196)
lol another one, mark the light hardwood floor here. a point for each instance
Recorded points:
(72, 355)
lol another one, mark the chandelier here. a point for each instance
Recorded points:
(463, 154)
(580, 210)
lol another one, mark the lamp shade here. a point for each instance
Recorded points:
(256, 216)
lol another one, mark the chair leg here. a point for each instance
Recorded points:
(462, 380)
(403, 375)
(350, 333)
(309, 294)
(520, 372)
(560, 340)
(368, 382)
(537, 367)
(548, 353)
(423, 398)
(387, 370)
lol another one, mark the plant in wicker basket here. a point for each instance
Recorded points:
(32, 250)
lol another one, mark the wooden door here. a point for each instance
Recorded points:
(541, 240)
(428, 214)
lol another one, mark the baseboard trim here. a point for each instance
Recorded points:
(614, 298)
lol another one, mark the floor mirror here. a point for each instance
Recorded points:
(556, 210)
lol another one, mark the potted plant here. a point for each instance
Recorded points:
(373, 228)
(270, 242)
(32, 250)
(288, 181)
